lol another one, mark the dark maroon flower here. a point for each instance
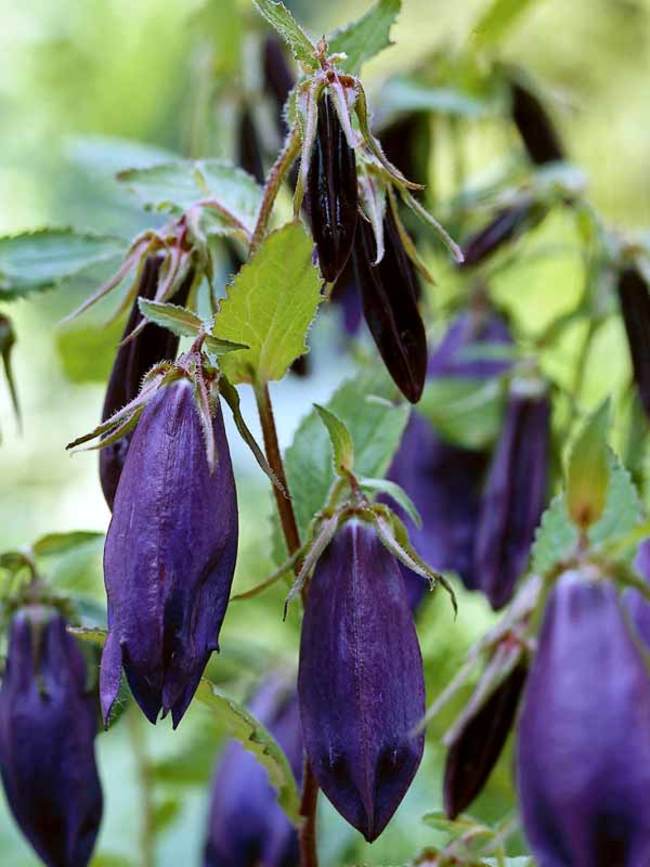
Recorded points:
(133, 360)
(169, 556)
(507, 225)
(246, 825)
(249, 149)
(634, 299)
(332, 192)
(48, 725)
(278, 78)
(583, 752)
(478, 745)
(345, 293)
(444, 480)
(360, 681)
(406, 143)
(389, 297)
(535, 127)
(514, 495)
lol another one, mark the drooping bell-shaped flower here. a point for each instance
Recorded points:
(634, 299)
(507, 225)
(169, 556)
(246, 825)
(443, 479)
(479, 742)
(389, 297)
(515, 492)
(332, 192)
(48, 723)
(132, 361)
(539, 136)
(360, 681)
(583, 752)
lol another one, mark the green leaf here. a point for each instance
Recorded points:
(366, 36)
(464, 411)
(54, 544)
(376, 429)
(406, 95)
(397, 493)
(342, 447)
(497, 19)
(35, 261)
(92, 634)
(588, 470)
(555, 538)
(192, 764)
(286, 26)
(270, 306)
(622, 510)
(176, 186)
(179, 320)
(87, 352)
(239, 723)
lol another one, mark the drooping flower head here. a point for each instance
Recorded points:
(443, 479)
(169, 556)
(515, 492)
(583, 752)
(246, 825)
(360, 681)
(48, 723)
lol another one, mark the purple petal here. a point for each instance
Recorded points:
(360, 680)
(583, 751)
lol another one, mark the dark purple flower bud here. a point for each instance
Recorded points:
(169, 556)
(406, 144)
(389, 297)
(278, 78)
(246, 825)
(332, 192)
(583, 752)
(506, 226)
(635, 307)
(535, 127)
(133, 360)
(478, 745)
(360, 681)
(345, 293)
(444, 480)
(514, 495)
(48, 723)
(249, 149)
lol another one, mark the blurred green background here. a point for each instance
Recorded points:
(73, 72)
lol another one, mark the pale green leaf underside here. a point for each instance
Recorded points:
(270, 306)
(39, 260)
(175, 186)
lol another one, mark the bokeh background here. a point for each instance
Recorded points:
(91, 86)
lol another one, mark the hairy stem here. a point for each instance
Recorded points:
(308, 854)
(143, 773)
(281, 166)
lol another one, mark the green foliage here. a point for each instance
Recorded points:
(176, 186)
(375, 426)
(588, 470)
(270, 306)
(557, 537)
(404, 94)
(283, 22)
(342, 445)
(233, 719)
(35, 261)
(464, 411)
(367, 36)
(497, 18)
(54, 544)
